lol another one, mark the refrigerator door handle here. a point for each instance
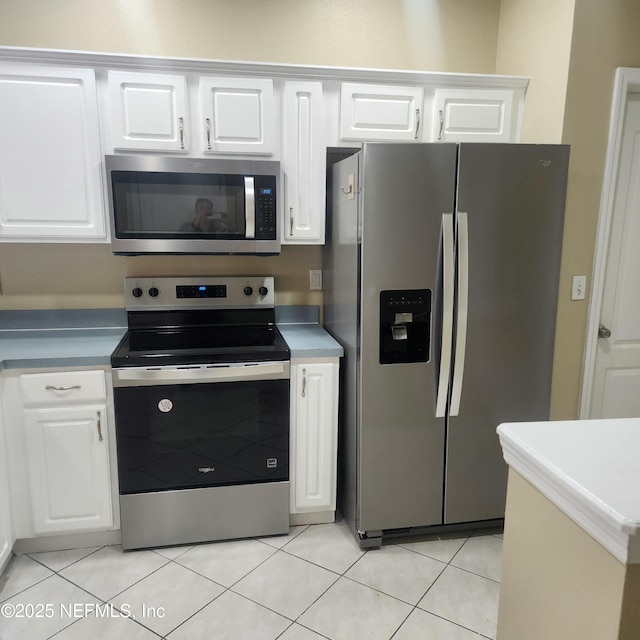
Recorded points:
(463, 309)
(448, 268)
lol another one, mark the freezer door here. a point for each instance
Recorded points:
(404, 191)
(510, 214)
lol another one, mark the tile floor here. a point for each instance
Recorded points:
(314, 583)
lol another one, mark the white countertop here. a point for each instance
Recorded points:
(588, 468)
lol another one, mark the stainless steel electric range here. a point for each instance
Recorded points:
(201, 391)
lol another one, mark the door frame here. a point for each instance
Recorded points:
(627, 81)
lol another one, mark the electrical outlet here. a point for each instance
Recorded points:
(315, 279)
(578, 287)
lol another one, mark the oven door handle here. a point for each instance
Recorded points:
(192, 374)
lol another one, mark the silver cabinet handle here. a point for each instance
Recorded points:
(54, 388)
(415, 137)
(181, 127)
(290, 221)
(603, 332)
(208, 129)
(99, 427)
(448, 268)
(463, 311)
(304, 383)
(441, 116)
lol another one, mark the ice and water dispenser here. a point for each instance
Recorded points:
(405, 326)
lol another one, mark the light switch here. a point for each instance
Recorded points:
(578, 287)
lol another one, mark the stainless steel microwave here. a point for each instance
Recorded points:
(160, 205)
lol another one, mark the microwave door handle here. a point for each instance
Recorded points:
(250, 207)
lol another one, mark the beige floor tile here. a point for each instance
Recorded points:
(173, 552)
(397, 572)
(481, 554)
(466, 599)
(22, 573)
(232, 617)
(297, 632)
(58, 560)
(167, 597)
(281, 541)
(226, 562)
(286, 584)
(441, 547)
(328, 545)
(109, 571)
(99, 627)
(421, 625)
(351, 611)
(47, 607)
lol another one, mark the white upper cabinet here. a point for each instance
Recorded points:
(474, 115)
(148, 111)
(304, 162)
(381, 112)
(237, 115)
(50, 157)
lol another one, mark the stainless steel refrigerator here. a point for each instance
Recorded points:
(441, 282)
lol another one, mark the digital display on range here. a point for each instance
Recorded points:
(202, 291)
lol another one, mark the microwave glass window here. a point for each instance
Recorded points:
(173, 205)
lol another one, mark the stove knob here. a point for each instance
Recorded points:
(263, 291)
(248, 291)
(153, 292)
(136, 292)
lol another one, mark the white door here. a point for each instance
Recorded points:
(616, 374)
(148, 111)
(237, 115)
(381, 112)
(68, 461)
(304, 163)
(50, 158)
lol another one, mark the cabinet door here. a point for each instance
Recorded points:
(314, 437)
(474, 115)
(380, 112)
(304, 162)
(148, 111)
(6, 528)
(68, 463)
(237, 115)
(50, 180)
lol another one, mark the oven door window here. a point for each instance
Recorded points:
(176, 205)
(202, 435)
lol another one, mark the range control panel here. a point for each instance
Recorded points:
(205, 292)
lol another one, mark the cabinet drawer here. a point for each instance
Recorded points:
(63, 387)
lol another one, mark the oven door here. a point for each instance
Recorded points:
(189, 427)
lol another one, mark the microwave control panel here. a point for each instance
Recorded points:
(265, 199)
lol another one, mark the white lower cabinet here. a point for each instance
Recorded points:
(6, 524)
(67, 454)
(68, 468)
(314, 440)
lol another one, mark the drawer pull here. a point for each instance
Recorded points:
(54, 388)
(99, 427)
(304, 382)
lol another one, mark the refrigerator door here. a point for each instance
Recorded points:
(405, 189)
(511, 199)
